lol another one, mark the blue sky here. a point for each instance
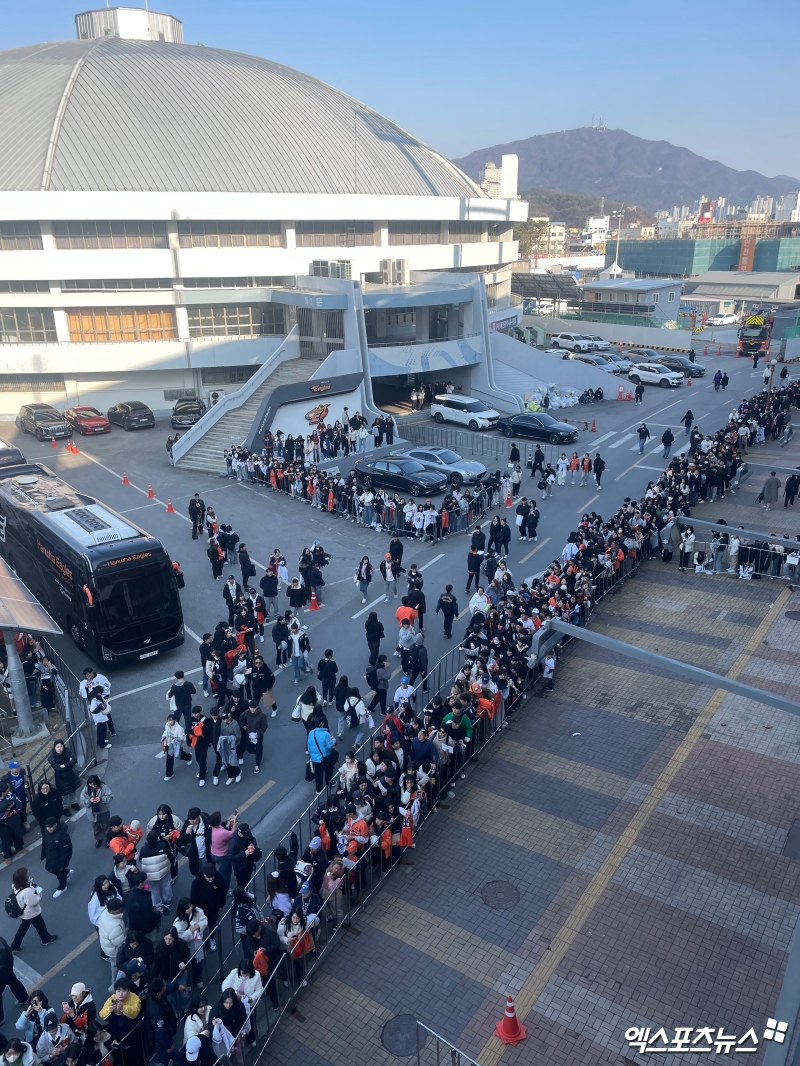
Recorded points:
(718, 78)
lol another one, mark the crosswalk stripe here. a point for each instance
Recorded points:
(623, 440)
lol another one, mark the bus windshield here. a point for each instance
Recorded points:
(135, 595)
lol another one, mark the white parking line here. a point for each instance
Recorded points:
(381, 599)
(153, 684)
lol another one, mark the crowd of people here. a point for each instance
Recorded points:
(380, 757)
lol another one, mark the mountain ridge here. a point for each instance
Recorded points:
(620, 166)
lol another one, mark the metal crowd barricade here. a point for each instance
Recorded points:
(484, 445)
(372, 867)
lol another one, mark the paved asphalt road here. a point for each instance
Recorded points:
(272, 799)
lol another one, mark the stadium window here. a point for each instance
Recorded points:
(229, 234)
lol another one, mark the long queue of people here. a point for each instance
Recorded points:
(371, 799)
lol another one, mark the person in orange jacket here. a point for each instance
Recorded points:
(123, 839)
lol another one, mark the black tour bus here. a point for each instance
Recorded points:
(107, 582)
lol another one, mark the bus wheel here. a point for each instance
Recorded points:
(75, 633)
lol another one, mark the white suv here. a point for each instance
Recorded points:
(655, 374)
(465, 410)
(574, 341)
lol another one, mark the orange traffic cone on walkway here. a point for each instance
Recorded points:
(594, 425)
(125, 478)
(621, 392)
(313, 605)
(629, 395)
(150, 494)
(170, 508)
(509, 1029)
(508, 497)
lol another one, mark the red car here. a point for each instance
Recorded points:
(87, 420)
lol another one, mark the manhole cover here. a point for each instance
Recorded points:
(794, 615)
(399, 1036)
(500, 895)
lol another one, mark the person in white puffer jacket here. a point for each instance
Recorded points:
(111, 930)
(155, 860)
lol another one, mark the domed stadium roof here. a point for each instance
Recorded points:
(125, 115)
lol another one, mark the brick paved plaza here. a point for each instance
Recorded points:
(648, 853)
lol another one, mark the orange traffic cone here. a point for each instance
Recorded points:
(619, 349)
(74, 448)
(629, 395)
(150, 494)
(508, 497)
(688, 381)
(53, 443)
(594, 425)
(621, 392)
(313, 605)
(509, 1029)
(170, 508)
(719, 350)
(705, 350)
(125, 478)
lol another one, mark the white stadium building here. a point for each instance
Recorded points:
(179, 220)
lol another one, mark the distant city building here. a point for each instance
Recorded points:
(788, 210)
(500, 183)
(556, 239)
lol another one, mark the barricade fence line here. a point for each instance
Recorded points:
(377, 861)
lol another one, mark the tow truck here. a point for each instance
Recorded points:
(755, 335)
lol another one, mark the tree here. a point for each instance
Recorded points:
(532, 236)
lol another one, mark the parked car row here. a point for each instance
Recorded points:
(46, 423)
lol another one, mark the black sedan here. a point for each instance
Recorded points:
(132, 414)
(537, 426)
(402, 475)
(682, 365)
(186, 412)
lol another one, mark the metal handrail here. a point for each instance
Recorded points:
(429, 340)
(457, 1058)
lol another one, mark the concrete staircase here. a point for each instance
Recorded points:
(232, 428)
(514, 383)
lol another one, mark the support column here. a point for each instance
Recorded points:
(423, 323)
(19, 690)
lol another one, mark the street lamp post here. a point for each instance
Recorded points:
(620, 213)
(772, 364)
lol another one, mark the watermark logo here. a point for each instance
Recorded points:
(703, 1039)
(776, 1030)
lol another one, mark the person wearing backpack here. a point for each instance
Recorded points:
(27, 908)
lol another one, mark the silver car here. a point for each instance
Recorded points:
(458, 471)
